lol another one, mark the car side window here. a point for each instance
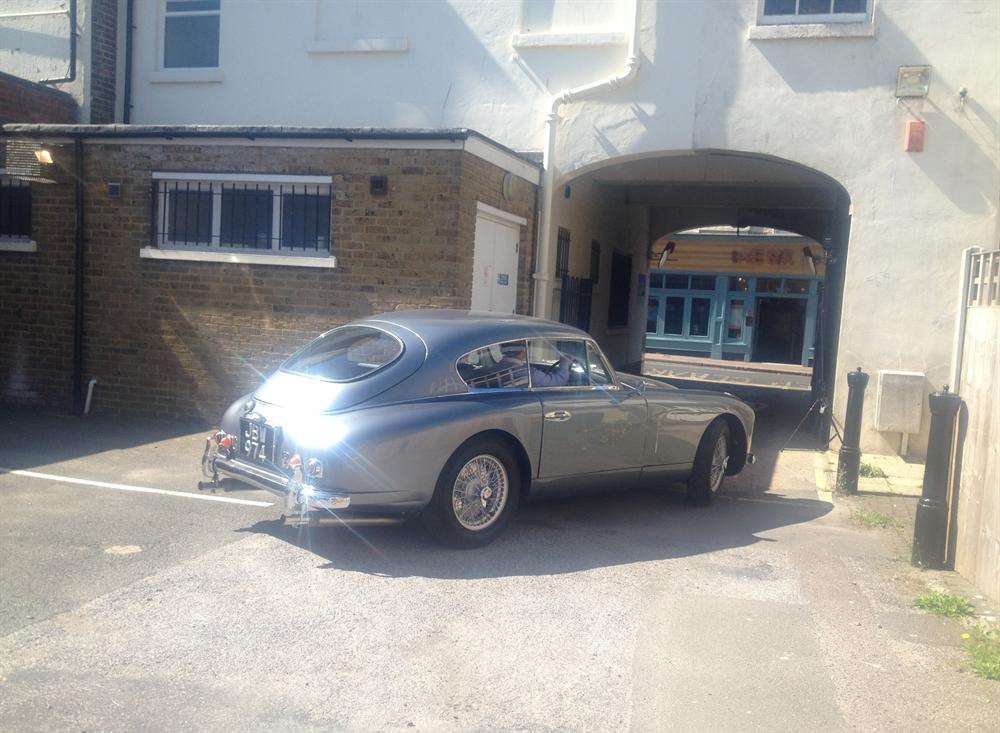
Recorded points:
(558, 362)
(600, 376)
(498, 366)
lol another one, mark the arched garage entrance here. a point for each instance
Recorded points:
(607, 217)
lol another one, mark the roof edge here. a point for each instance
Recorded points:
(252, 132)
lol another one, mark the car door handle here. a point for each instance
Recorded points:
(558, 415)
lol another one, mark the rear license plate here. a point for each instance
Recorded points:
(258, 440)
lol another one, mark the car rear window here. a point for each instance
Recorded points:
(346, 354)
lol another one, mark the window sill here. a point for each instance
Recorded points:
(186, 76)
(238, 258)
(554, 40)
(793, 31)
(18, 245)
(359, 45)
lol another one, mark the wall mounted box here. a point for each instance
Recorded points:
(899, 401)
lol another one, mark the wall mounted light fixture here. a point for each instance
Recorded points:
(913, 82)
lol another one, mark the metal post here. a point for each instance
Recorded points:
(931, 526)
(850, 450)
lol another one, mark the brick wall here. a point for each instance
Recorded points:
(185, 338)
(36, 300)
(103, 60)
(26, 101)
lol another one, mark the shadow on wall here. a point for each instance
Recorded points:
(958, 155)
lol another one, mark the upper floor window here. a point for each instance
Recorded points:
(15, 210)
(813, 11)
(282, 214)
(191, 34)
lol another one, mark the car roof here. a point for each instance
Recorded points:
(457, 332)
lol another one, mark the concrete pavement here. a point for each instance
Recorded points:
(769, 610)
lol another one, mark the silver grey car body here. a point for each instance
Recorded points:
(382, 441)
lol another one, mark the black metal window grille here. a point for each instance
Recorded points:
(562, 253)
(291, 218)
(620, 286)
(595, 261)
(305, 220)
(247, 217)
(15, 209)
(575, 300)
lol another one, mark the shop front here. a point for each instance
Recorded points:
(737, 298)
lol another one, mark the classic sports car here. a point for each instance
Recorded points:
(459, 415)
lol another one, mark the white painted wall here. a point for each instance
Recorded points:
(35, 45)
(827, 103)
(591, 214)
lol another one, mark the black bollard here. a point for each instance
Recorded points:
(849, 461)
(931, 526)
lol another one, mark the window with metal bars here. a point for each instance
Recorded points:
(244, 212)
(15, 209)
(562, 253)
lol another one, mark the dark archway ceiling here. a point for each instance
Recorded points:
(686, 190)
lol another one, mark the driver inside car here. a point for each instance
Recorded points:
(555, 375)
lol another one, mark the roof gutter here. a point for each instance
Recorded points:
(71, 72)
(544, 267)
(127, 87)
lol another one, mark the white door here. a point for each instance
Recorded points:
(494, 262)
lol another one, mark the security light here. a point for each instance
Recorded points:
(43, 156)
(665, 254)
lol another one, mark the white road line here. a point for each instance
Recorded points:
(137, 489)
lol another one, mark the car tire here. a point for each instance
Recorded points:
(710, 462)
(478, 469)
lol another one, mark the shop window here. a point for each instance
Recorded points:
(656, 280)
(652, 313)
(15, 210)
(621, 290)
(191, 34)
(673, 316)
(701, 312)
(735, 319)
(675, 282)
(280, 214)
(769, 285)
(738, 284)
(797, 287)
(703, 282)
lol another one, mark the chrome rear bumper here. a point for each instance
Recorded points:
(297, 496)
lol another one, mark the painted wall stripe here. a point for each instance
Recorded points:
(137, 489)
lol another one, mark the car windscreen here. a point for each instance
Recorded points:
(346, 354)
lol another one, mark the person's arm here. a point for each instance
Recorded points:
(556, 375)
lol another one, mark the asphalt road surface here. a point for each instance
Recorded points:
(128, 600)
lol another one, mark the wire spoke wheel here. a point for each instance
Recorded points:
(720, 461)
(480, 492)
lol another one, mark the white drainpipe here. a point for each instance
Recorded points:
(544, 267)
